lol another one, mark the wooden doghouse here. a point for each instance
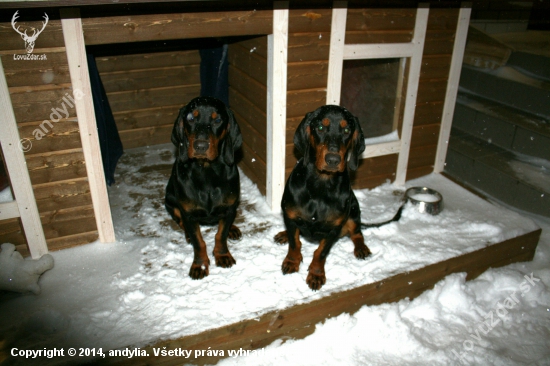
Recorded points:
(291, 64)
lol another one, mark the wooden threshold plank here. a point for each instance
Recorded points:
(299, 321)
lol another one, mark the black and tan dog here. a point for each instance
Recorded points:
(318, 202)
(204, 187)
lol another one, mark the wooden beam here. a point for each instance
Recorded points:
(155, 27)
(378, 50)
(14, 159)
(276, 105)
(80, 78)
(411, 93)
(452, 86)
(379, 149)
(58, 3)
(336, 53)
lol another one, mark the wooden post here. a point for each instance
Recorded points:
(336, 52)
(452, 86)
(80, 79)
(25, 206)
(412, 89)
(276, 105)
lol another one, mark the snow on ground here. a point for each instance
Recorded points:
(500, 318)
(5, 195)
(532, 170)
(137, 291)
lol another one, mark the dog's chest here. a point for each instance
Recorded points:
(319, 222)
(317, 211)
(210, 193)
(321, 212)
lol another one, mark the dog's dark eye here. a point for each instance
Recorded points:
(190, 117)
(320, 128)
(218, 120)
(346, 130)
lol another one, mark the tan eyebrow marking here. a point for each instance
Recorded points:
(326, 122)
(214, 115)
(195, 113)
(343, 123)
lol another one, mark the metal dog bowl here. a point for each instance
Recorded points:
(425, 199)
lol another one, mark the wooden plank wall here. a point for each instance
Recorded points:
(55, 161)
(146, 91)
(248, 100)
(308, 53)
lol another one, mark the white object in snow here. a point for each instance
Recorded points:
(18, 274)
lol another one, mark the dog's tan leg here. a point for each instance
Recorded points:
(221, 251)
(316, 277)
(235, 233)
(361, 251)
(201, 262)
(281, 237)
(292, 261)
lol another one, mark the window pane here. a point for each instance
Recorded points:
(369, 91)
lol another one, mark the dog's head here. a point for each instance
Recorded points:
(206, 129)
(330, 137)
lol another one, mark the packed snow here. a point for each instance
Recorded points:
(390, 137)
(5, 195)
(137, 291)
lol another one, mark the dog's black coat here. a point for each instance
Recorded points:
(204, 187)
(318, 201)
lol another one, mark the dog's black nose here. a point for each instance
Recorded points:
(200, 146)
(332, 159)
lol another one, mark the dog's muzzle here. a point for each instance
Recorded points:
(201, 146)
(332, 160)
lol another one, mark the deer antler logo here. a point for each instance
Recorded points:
(29, 40)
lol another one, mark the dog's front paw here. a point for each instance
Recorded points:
(281, 238)
(361, 251)
(235, 233)
(291, 265)
(316, 280)
(225, 260)
(198, 271)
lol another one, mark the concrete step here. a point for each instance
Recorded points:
(503, 126)
(535, 66)
(516, 179)
(508, 86)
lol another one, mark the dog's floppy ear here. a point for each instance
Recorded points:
(357, 144)
(179, 138)
(233, 141)
(301, 136)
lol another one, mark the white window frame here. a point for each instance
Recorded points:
(339, 51)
